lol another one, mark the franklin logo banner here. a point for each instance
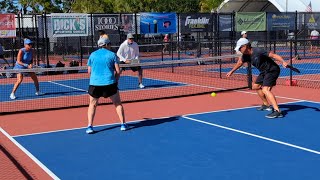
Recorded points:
(7, 26)
(66, 25)
(164, 23)
(195, 23)
(109, 23)
(250, 21)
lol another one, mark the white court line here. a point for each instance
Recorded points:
(254, 135)
(67, 86)
(233, 109)
(50, 173)
(109, 124)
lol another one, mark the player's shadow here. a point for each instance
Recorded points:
(286, 108)
(144, 123)
(152, 122)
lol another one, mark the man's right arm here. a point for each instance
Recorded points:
(120, 53)
(237, 66)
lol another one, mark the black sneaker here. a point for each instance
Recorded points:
(265, 108)
(274, 114)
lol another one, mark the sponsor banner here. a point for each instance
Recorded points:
(312, 21)
(281, 21)
(7, 26)
(71, 24)
(163, 23)
(128, 23)
(109, 23)
(225, 22)
(195, 23)
(250, 21)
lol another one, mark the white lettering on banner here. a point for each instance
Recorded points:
(69, 24)
(108, 26)
(107, 20)
(7, 23)
(199, 21)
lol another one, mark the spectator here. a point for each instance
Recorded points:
(166, 40)
(103, 34)
(314, 37)
(2, 54)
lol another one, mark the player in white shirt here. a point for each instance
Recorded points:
(129, 51)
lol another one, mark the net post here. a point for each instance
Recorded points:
(249, 72)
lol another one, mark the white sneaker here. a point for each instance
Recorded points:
(12, 96)
(38, 93)
(141, 86)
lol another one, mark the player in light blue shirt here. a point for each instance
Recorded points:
(104, 71)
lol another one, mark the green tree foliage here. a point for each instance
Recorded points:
(108, 6)
(209, 5)
(9, 6)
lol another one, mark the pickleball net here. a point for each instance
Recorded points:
(67, 87)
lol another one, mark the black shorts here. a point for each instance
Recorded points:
(269, 78)
(134, 69)
(104, 91)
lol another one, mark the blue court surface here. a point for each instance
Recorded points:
(76, 87)
(232, 144)
(306, 68)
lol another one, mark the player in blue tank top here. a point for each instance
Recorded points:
(104, 71)
(24, 61)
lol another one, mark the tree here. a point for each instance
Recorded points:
(108, 6)
(209, 5)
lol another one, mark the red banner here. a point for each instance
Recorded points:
(7, 26)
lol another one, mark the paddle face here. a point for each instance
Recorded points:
(293, 69)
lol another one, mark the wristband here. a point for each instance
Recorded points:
(25, 65)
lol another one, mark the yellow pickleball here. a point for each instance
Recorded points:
(213, 94)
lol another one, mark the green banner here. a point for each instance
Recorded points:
(251, 21)
(71, 24)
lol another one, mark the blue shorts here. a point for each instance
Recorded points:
(18, 66)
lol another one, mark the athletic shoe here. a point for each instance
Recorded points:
(124, 127)
(38, 93)
(265, 108)
(141, 86)
(274, 114)
(89, 130)
(12, 96)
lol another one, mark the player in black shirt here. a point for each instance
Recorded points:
(269, 73)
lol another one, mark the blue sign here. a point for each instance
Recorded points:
(163, 23)
(281, 21)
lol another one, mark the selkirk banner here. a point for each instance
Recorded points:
(196, 23)
(7, 26)
(69, 24)
(250, 21)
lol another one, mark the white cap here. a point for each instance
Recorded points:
(130, 36)
(103, 42)
(243, 32)
(241, 42)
